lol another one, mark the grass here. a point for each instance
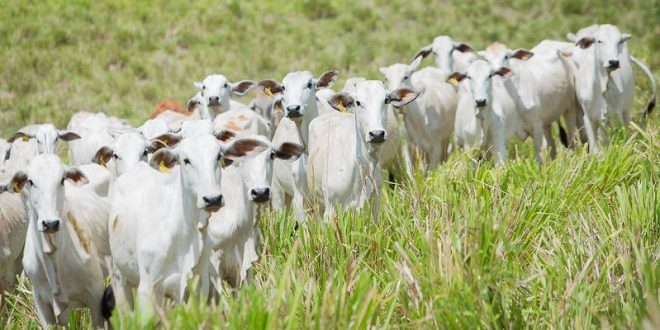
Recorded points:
(572, 244)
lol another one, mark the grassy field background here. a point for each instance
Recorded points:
(572, 244)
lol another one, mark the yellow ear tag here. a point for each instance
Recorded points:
(268, 92)
(453, 81)
(341, 107)
(25, 138)
(15, 187)
(163, 168)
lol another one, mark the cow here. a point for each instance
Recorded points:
(13, 226)
(233, 230)
(486, 99)
(63, 255)
(184, 184)
(429, 120)
(298, 97)
(343, 147)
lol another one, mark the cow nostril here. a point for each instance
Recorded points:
(614, 63)
(214, 98)
(480, 102)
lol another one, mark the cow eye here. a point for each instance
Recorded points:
(600, 41)
(309, 85)
(506, 57)
(62, 182)
(116, 156)
(405, 77)
(272, 155)
(145, 153)
(204, 87)
(358, 103)
(30, 182)
(226, 85)
(186, 161)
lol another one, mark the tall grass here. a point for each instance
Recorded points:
(571, 244)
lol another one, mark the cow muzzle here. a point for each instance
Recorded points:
(214, 101)
(294, 111)
(480, 103)
(50, 226)
(213, 203)
(613, 64)
(377, 136)
(260, 195)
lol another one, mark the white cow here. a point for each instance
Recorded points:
(605, 83)
(233, 230)
(13, 226)
(67, 226)
(153, 128)
(429, 120)
(491, 106)
(450, 56)
(46, 136)
(298, 98)
(186, 190)
(343, 147)
(543, 88)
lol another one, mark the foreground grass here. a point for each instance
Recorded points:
(572, 244)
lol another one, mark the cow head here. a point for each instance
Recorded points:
(368, 101)
(298, 91)
(400, 75)
(499, 55)
(214, 93)
(480, 75)
(131, 148)
(44, 186)
(443, 48)
(607, 39)
(199, 158)
(46, 136)
(153, 128)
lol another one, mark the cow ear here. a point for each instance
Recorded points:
(277, 105)
(571, 37)
(341, 101)
(424, 52)
(456, 77)
(19, 135)
(289, 151)
(199, 85)
(327, 79)
(482, 53)
(103, 156)
(625, 37)
(383, 70)
(68, 136)
(503, 71)
(75, 177)
(415, 64)
(244, 148)
(225, 135)
(18, 181)
(271, 86)
(163, 160)
(463, 47)
(169, 139)
(522, 54)
(192, 104)
(401, 96)
(585, 43)
(242, 87)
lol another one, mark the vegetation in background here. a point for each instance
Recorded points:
(571, 244)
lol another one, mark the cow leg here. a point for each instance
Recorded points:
(407, 160)
(444, 150)
(551, 141)
(44, 311)
(122, 292)
(590, 131)
(147, 300)
(298, 206)
(537, 135)
(94, 304)
(571, 119)
(501, 154)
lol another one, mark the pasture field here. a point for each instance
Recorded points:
(571, 244)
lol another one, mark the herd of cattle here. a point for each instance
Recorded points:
(179, 197)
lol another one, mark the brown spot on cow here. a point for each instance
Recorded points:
(242, 118)
(171, 105)
(84, 241)
(231, 125)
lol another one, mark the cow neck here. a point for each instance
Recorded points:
(196, 224)
(594, 69)
(311, 112)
